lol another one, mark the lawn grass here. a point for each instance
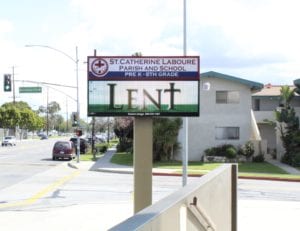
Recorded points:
(245, 169)
(113, 142)
(89, 156)
(260, 168)
(122, 158)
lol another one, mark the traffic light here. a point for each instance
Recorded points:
(7, 82)
(74, 119)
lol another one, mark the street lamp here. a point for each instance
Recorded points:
(185, 156)
(77, 84)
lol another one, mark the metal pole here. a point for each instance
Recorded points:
(47, 112)
(14, 94)
(108, 132)
(67, 116)
(93, 138)
(77, 86)
(13, 84)
(184, 27)
(185, 122)
(78, 114)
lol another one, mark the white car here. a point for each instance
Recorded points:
(9, 140)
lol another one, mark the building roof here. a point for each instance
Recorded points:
(270, 90)
(254, 86)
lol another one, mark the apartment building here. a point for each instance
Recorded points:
(264, 104)
(225, 114)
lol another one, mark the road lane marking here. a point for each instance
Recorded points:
(41, 193)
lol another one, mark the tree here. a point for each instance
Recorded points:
(19, 114)
(100, 124)
(19, 104)
(57, 121)
(165, 132)
(123, 128)
(51, 112)
(30, 120)
(288, 126)
(10, 117)
(286, 96)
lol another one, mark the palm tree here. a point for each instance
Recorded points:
(288, 124)
(286, 96)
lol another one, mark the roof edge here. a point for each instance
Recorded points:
(254, 86)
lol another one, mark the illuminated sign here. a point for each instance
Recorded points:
(143, 86)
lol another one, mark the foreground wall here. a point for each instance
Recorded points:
(207, 204)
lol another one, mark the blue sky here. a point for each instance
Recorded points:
(257, 40)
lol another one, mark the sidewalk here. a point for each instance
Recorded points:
(289, 169)
(103, 164)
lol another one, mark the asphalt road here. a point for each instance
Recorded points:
(37, 193)
(24, 160)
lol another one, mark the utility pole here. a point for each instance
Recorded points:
(67, 128)
(93, 138)
(13, 84)
(47, 112)
(185, 155)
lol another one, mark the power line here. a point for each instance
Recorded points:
(54, 84)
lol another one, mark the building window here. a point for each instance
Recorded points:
(256, 105)
(227, 133)
(226, 97)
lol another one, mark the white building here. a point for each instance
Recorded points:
(265, 102)
(226, 115)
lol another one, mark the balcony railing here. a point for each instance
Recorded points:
(262, 116)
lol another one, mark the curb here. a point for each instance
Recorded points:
(71, 165)
(155, 173)
(107, 170)
(269, 178)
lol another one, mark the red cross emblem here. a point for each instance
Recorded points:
(99, 67)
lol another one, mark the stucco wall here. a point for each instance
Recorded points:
(202, 129)
(268, 133)
(267, 103)
(270, 103)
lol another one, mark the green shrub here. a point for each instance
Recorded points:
(231, 152)
(210, 151)
(130, 150)
(259, 158)
(241, 151)
(219, 150)
(124, 146)
(249, 150)
(296, 160)
(102, 147)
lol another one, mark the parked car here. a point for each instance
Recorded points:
(9, 140)
(63, 149)
(83, 144)
(43, 137)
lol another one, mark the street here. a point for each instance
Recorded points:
(24, 160)
(37, 193)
